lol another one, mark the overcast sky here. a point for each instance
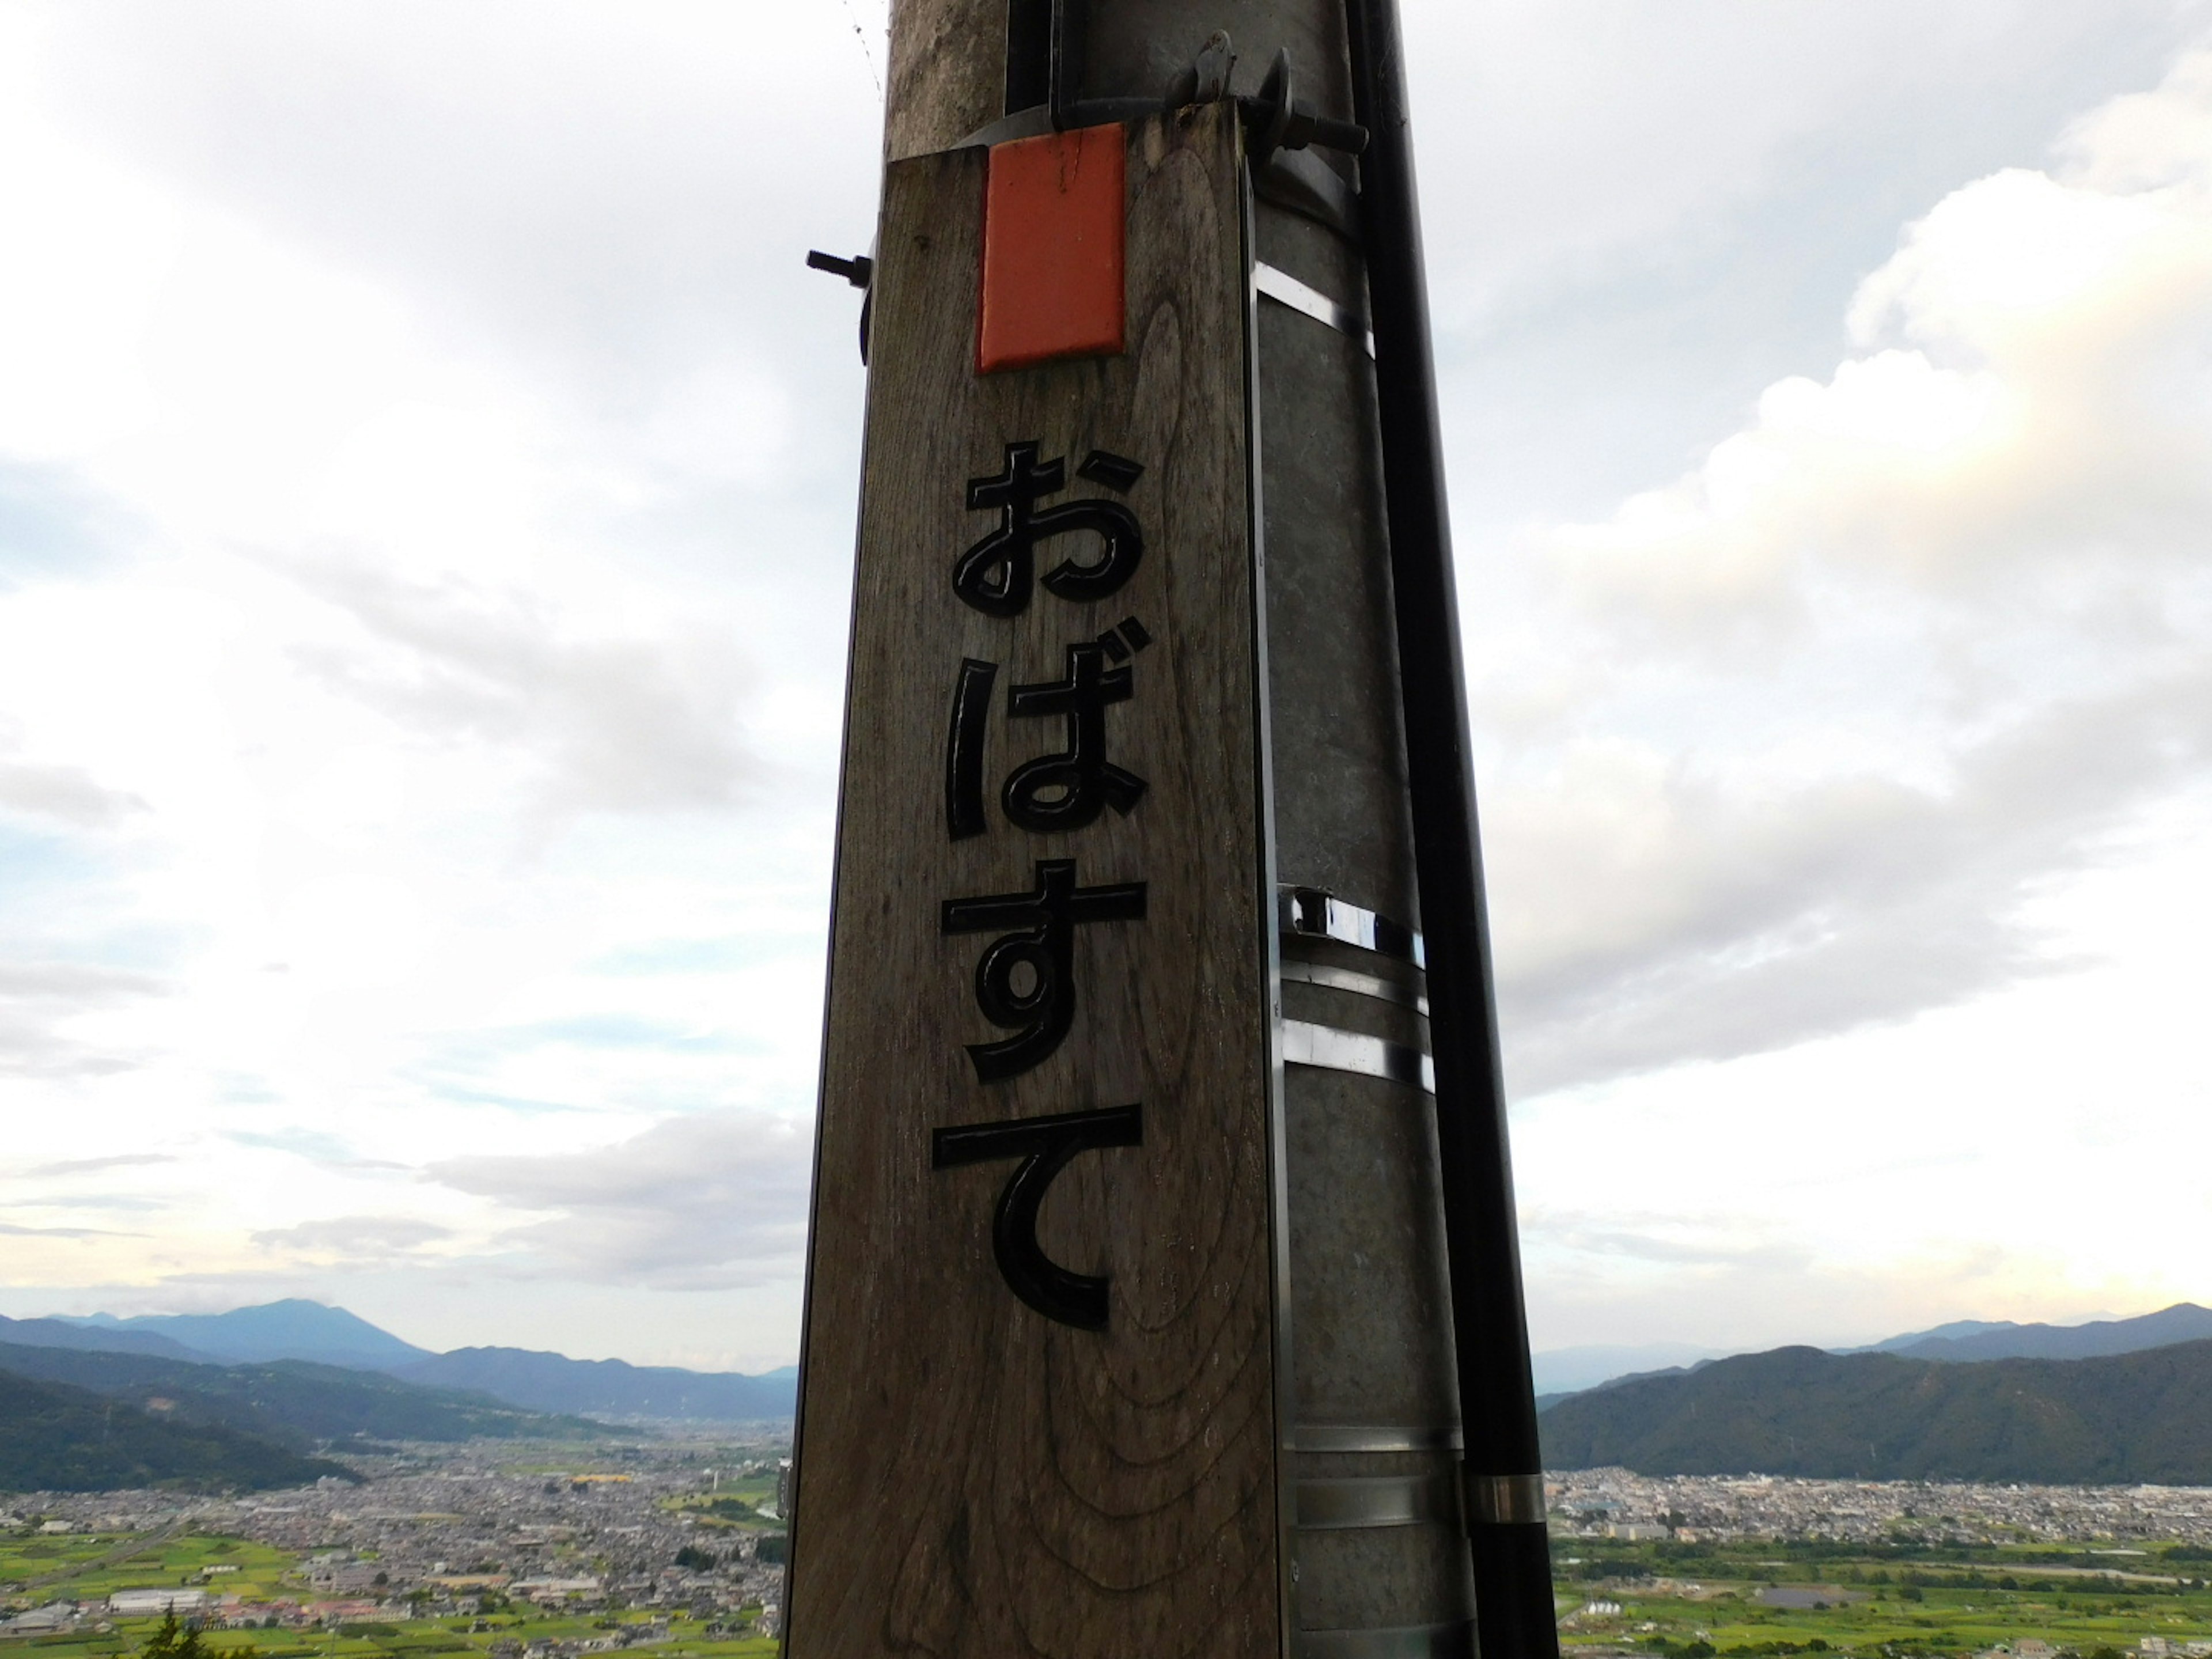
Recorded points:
(426, 487)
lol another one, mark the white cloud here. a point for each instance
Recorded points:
(353, 1242)
(1926, 634)
(40, 1004)
(424, 518)
(693, 1203)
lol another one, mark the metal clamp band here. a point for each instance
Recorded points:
(1372, 1437)
(1359, 984)
(1505, 1499)
(1324, 1046)
(1311, 913)
(1408, 1642)
(1386, 1500)
(1286, 290)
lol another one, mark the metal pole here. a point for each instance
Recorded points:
(1504, 1479)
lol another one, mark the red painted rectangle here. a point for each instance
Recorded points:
(1054, 216)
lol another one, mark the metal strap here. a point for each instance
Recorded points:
(1385, 1500)
(1505, 1499)
(1037, 120)
(1346, 979)
(1286, 290)
(1313, 913)
(1305, 1043)
(1407, 1641)
(1372, 1437)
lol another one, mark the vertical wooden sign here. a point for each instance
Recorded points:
(1038, 1396)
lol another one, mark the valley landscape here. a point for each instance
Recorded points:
(305, 1483)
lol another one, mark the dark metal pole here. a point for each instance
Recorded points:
(1514, 1613)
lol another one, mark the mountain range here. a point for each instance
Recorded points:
(1560, 1372)
(2185, 1322)
(244, 1401)
(291, 1402)
(249, 1396)
(312, 1332)
(2141, 1416)
(293, 1330)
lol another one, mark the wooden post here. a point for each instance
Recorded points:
(1039, 1377)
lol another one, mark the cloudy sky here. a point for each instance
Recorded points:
(426, 484)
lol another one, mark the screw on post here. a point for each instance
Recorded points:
(1275, 120)
(860, 271)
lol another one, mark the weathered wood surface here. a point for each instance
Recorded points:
(948, 73)
(978, 1481)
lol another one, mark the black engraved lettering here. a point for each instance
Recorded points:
(1116, 473)
(996, 575)
(963, 749)
(1040, 938)
(1068, 790)
(1045, 1146)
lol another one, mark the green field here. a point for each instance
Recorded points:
(1899, 1599)
(409, 1640)
(82, 1566)
(736, 1503)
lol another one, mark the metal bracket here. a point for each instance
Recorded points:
(1298, 181)
(1206, 80)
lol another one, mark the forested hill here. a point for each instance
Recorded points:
(2123, 1418)
(296, 1404)
(57, 1438)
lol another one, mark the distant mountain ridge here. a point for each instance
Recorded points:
(292, 1403)
(1569, 1370)
(2185, 1322)
(317, 1334)
(69, 1334)
(2120, 1418)
(1562, 1372)
(294, 1329)
(607, 1387)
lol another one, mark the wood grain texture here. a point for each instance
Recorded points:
(977, 1481)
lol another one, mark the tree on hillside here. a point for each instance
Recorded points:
(175, 1640)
